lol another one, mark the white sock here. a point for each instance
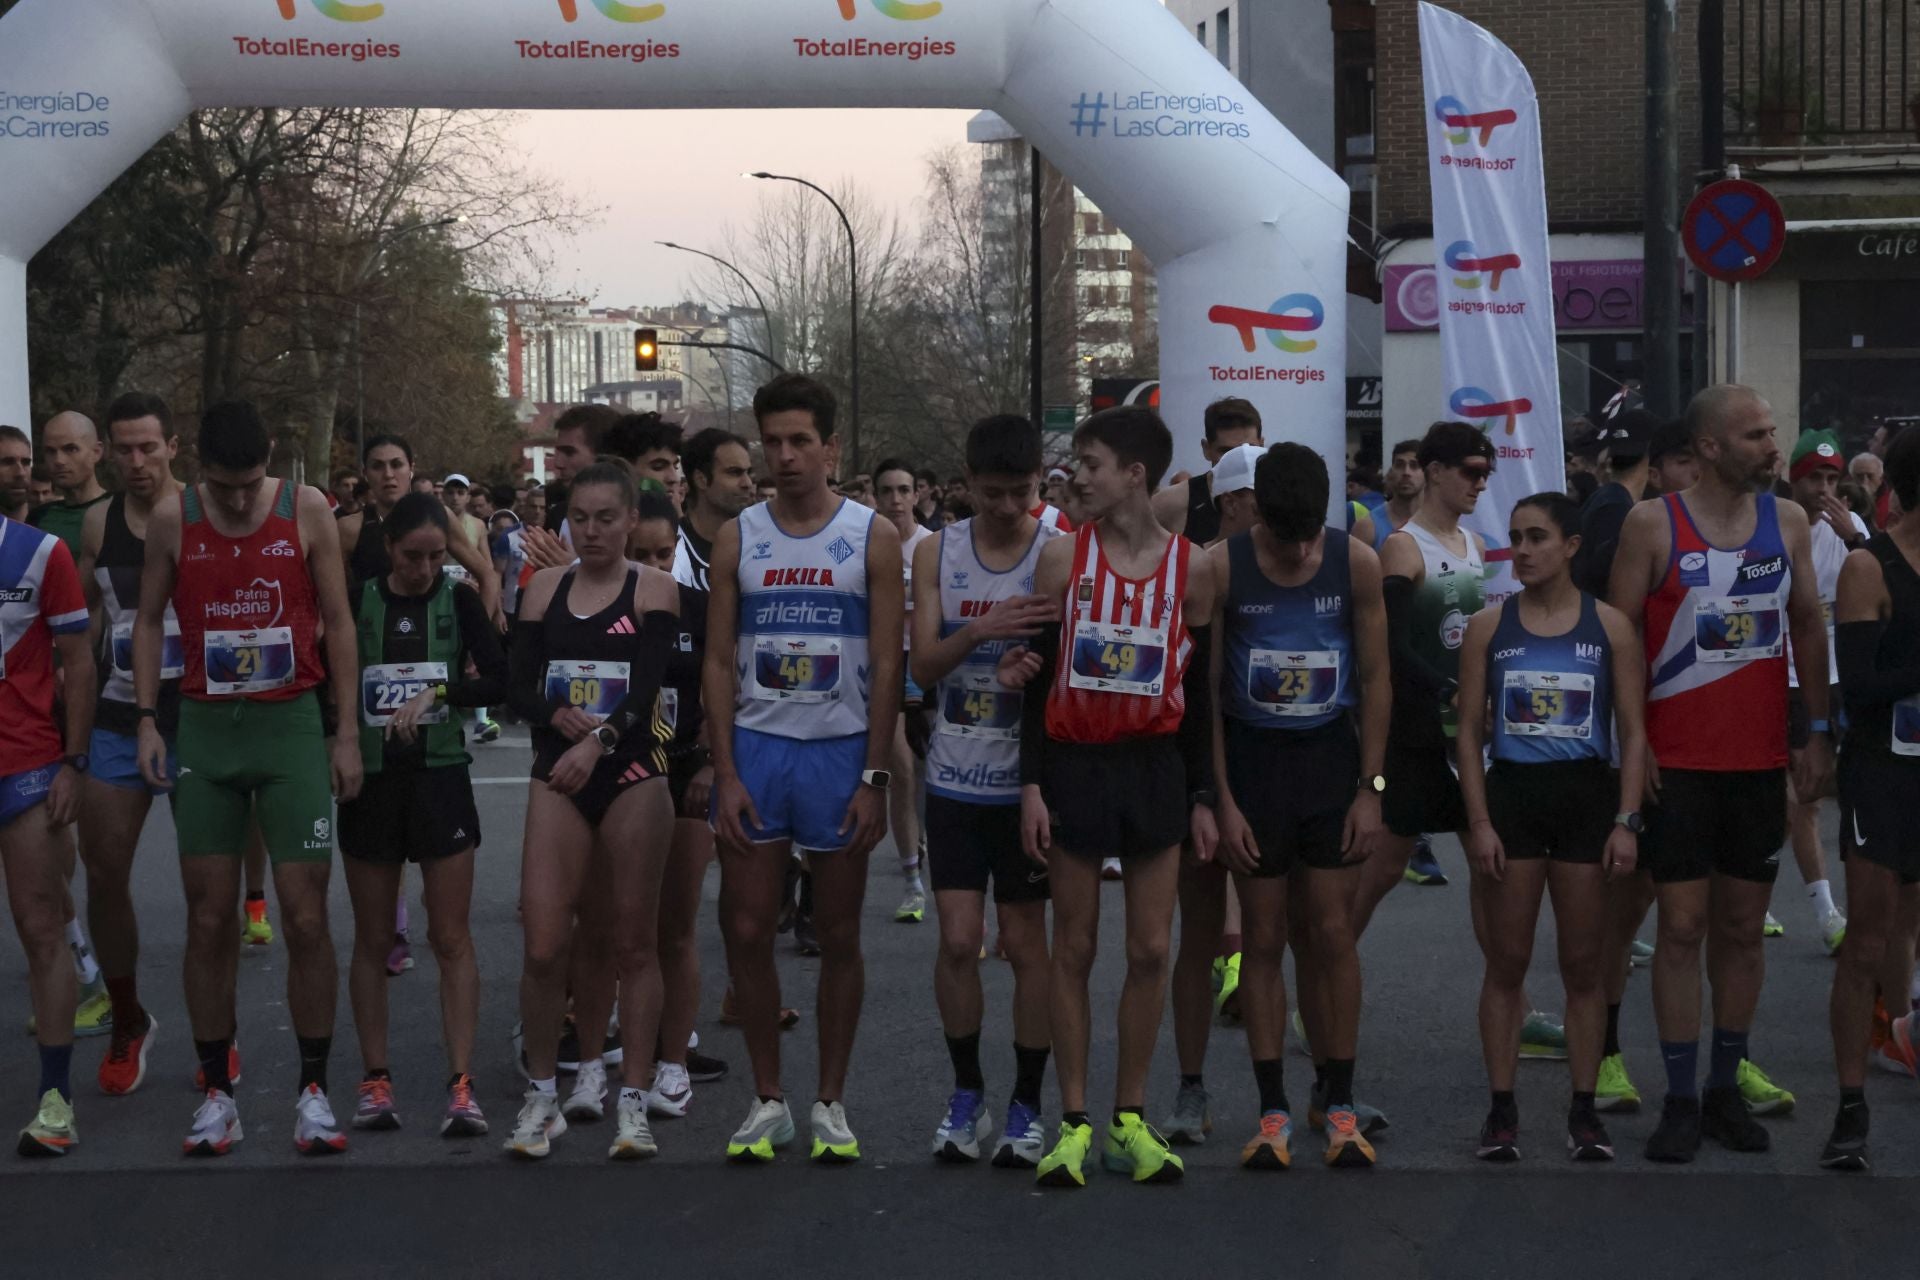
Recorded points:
(1822, 894)
(84, 966)
(638, 1097)
(550, 1086)
(693, 1041)
(911, 870)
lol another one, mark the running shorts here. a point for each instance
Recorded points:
(608, 782)
(241, 761)
(1879, 820)
(1716, 824)
(1295, 787)
(970, 844)
(21, 791)
(411, 815)
(114, 758)
(801, 787)
(1123, 799)
(1558, 809)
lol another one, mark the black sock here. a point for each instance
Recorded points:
(314, 1051)
(1192, 1082)
(1582, 1108)
(1505, 1103)
(1339, 1082)
(1612, 1045)
(1270, 1076)
(965, 1052)
(213, 1063)
(1853, 1098)
(1030, 1069)
(256, 895)
(1138, 1113)
(1320, 1075)
(376, 1073)
(1075, 1118)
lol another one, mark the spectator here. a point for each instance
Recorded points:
(763, 488)
(480, 505)
(1867, 471)
(347, 491)
(425, 484)
(456, 491)
(928, 499)
(43, 491)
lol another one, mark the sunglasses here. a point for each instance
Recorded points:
(1475, 472)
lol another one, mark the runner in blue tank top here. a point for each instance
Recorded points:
(1302, 635)
(1565, 678)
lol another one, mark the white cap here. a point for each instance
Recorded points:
(1059, 473)
(1234, 471)
(457, 478)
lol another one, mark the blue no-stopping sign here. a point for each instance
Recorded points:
(1734, 230)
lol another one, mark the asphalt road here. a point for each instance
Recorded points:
(126, 1203)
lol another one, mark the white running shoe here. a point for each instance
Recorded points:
(1110, 869)
(672, 1091)
(315, 1131)
(216, 1127)
(633, 1138)
(588, 1101)
(1022, 1141)
(1833, 931)
(833, 1140)
(539, 1122)
(769, 1126)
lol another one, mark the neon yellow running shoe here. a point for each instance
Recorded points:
(769, 1126)
(1135, 1147)
(51, 1133)
(833, 1140)
(1614, 1091)
(94, 1014)
(1764, 1097)
(259, 930)
(1226, 986)
(1066, 1164)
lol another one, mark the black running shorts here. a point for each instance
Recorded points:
(1295, 787)
(410, 815)
(1716, 824)
(1117, 799)
(1561, 809)
(970, 844)
(1879, 818)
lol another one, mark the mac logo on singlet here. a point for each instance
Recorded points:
(1586, 652)
(1324, 605)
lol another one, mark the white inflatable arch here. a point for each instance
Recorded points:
(1246, 228)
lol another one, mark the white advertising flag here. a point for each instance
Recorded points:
(1495, 281)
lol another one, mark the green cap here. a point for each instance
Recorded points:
(1816, 449)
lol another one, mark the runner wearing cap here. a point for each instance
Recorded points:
(1188, 508)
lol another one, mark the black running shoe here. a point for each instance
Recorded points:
(1846, 1149)
(804, 937)
(569, 1059)
(704, 1070)
(1500, 1137)
(1587, 1138)
(1677, 1140)
(1725, 1118)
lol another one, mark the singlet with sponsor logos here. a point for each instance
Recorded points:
(1124, 648)
(680, 684)
(1717, 650)
(590, 663)
(801, 656)
(247, 609)
(974, 752)
(691, 556)
(116, 569)
(1288, 651)
(1829, 553)
(1450, 593)
(1891, 730)
(1552, 695)
(40, 598)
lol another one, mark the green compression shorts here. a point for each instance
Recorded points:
(241, 759)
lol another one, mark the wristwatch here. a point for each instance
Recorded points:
(879, 779)
(1820, 726)
(607, 736)
(148, 713)
(1376, 784)
(1203, 796)
(1631, 821)
(78, 762)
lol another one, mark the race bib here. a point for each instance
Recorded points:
(1737, 628)
(1547, 704)
(1906, 726)
(1116, 659)
(594, 687)
(1300, 683)
(796, 668)
(670, 709)
(240, 662)
(173, 653)
(389, 686)
(975, 706)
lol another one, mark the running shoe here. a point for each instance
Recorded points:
(1677, 1138)
(1110, 869)
(1542, 1039)
(1763, 1096)
(1066, 1164)
(612, 1052)
(588, 1101)
(1022, 1141)
(1192, 1118)
(805, 940)
(315, 1131)
(374, 1108)
(1373, 1121)
(1423, 867)
(704, 1070)
(632, 1135)
(51, 1131)
(1846, 1147)
(463, 1118)
(769, 1126)
(1272, 1147)
(1347, 1147)
(487, 731)
(216, 1126)
(233, 1070)
(1833, 931)
(672, 1091)
(567, 1056)
(93, 1016)
(259, 929)
(1614, 1091)
(1772, 928)
(1300, 1041)
(1135, 1148)
(1588, 1140)
(400, 959)
(957, 1140)
(1725, 1117)
(1499, 1137)
(1899, 1050)
(833, 1141)
(124, 1069)
(912, 908)
(1226, 987)
(1640, 954)
(540, 1121)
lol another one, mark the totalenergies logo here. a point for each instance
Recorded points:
(1481, 407)
(570, 10)
(1467, 263)
(1460, 123)
(903, 10)
(335, 9)
(1295, 313)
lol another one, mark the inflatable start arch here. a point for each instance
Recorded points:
(1246, 229)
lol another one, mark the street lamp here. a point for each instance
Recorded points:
(766, 316)
(853, 294)
(359, 364)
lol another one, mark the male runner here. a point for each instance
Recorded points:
(1717, 575)
(802, 688)
(251, 567)
(719, 473)
(1188, 508)
(1627, 439)
(974, 599)
(1406, 480)
(16, 473)
(893, 499)
(42, 610)
(1116, 759)
(70, 447)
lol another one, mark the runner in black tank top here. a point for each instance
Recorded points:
(1203, 518)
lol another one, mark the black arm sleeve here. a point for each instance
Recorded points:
(1196, 726)
(481, 643)
(527, 686)
(1858, 644)
(1412, 674)
(659, 632)
(1033, 707)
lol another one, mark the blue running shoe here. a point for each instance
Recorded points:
(957, 1140)
(1423, 867)
(1022, 1142)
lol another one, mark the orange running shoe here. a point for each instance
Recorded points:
(1272, 1147)
(373, 1108)
(124, 1069)
(1347, 1148)
(233, 1070)
(1900, 1051)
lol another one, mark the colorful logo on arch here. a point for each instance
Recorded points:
(1294, 314)
(570, 10)
(1482, 407)
(1467, 262)
(1460, 123)
(338, 10)
(902, 10)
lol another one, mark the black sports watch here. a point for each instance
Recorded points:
(1200, 796)
(1631, 821)
(879, 779)
(79, 762)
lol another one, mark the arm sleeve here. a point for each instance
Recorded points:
(1196, 726)
(526, 686)
(659, 630)
(481, 643)
(1033, 707)
(1860, 679)
(1412, 674)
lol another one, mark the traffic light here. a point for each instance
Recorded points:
(646, 350)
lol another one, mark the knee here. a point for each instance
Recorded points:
(1507, 966)
(450, 942)
(1073, 954)
(545, 958)
(1682, 928)
(1146, 958)
(839, 939)
(749, 930)
(209, 923)
(304, 924)
(1331, 936)
(1580, 973)
(960, 947)
(1866, 949)
(635, 956)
